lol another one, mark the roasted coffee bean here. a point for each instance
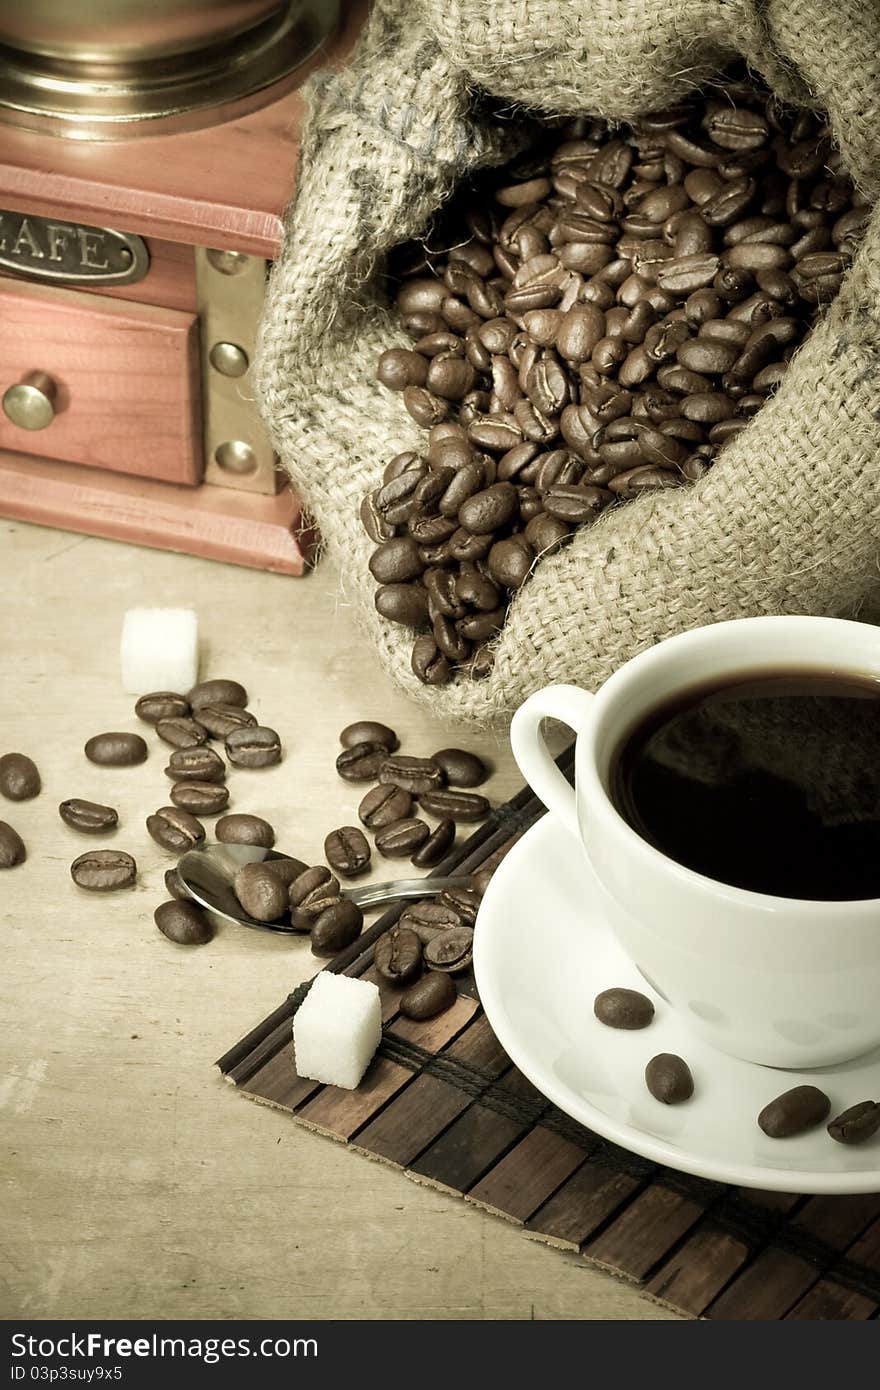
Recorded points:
(19, 777)
(360, 762)
(369, 731)
(175, 886)
(12, 849)
(222, 720)
(285, 868)
(462, 901)
(116, 750)
(175, 829)
(431, 995)
(337, 927)
(685, 274)
(462, 769)
(396, 561)
(312, 891)
(451, 951)
(623, 1008)
(262, 893)
(402, 838)
(201, 798)
(414, 775)
(858, 1123)
(428, 662)
(199, 764)
(89, 817)
(406, 604)
(383, 805)
(347, 851)
(705, 354)
(488, 510)
(374, 522)
(510, 561)
(253, 747)
(398, 956)
(244, 829)
(217, 692)
(437, 845)
(669, 1079)
(104, 870)
(399, 367)
(182, 732)
(161, 704)
(460, 806)
(184, 923)
(797, 1110)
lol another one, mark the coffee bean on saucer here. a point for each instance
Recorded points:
(452, 950)
(184, 923)
(413, 775)
(260, 892)
(382, 805)
(438, 843)
(669, 1079)
(402, 838)
(460, 806)
(104, 870)
(312, 891)
(243, 829)
(368, 731)
(337, 927)
(199, 764)
(202, 798)
(222, 720)
(19, 777)
(253, 747)
(858, 1123)
(217, 692)
(360, 762)
(89, 817)
(429, 996)
(429, 917)
(797, 1110)
(161, 704)
(461, 769)
(347, 851)
(398, 955)
(463, 901)
(175, 886)
(182, 732)
(12, 850)
(623, 1008)
(175, 829)
(116, 750)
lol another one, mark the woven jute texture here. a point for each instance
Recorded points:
(786, 521)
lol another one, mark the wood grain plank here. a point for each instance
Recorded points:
(277, 1081)
(644, 1232)
(830, 1302)
(475, 1141)
(340, 1113)
(528, 1175)
(581, 1205)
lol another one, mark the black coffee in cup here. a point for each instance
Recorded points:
(767, 782)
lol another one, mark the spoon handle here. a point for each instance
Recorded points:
(403, 888)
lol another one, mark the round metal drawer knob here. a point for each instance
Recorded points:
(30, 404)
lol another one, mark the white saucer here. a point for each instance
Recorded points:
(542, 952)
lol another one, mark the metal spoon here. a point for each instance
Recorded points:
(207, 875)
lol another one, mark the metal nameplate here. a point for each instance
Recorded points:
(69, 253)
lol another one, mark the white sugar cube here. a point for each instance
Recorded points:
(337, 1029)
(159, 650)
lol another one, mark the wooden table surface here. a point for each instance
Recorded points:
(135, 1182)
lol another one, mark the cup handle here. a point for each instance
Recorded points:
(570, 705)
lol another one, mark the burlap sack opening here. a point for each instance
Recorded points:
(786, 521)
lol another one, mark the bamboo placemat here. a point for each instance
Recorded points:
(443, 1102)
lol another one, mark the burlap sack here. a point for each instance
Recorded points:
(786, 521)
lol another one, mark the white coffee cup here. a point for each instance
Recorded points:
(782, 981)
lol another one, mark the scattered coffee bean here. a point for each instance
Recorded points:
(413, 775)
(261, 892)
(459, 806)
(461, 769)
(222, 720)
(437, 845)
(669, 1079)
(337, 927)
(429, 996)
(182, 732)
(12, 850)
(104, 870)
(202, 798)
(398, 955)
(383, 805)
(89, 817)
(161, 704)
(175, 829)
(402, 838)
(623, 1008)
(858, 1123)
(243, 829)
(19, 777)
(217, 692)
(200, 764)
(429, 917)
(797, 1110)
(253, 747)
(184, 923)
(311, 892)
(347, 851)
(463, 901)
(116, 750)
(360, 762)
(368, 731)
(452, 950)
(175, 886)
